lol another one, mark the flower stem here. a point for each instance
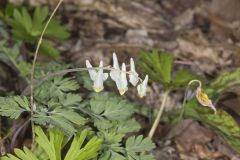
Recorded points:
(157, 120)
(33, 67)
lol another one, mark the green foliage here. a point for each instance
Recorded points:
(12, 57)
(58, 105)
(224, 82)
(13, 107)
(84, 79)
(135, 148)
(112, 116)
(137, 145)
(183, 77)
(80, 147)
(110, 113)
(159, 68)
(152, 64)
(55, 105)
(28, 28)
(55, 88)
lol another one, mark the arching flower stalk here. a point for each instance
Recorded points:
(119, 76)
(201, 97)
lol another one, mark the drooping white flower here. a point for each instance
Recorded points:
(121, 80)
(114, 74)
(97, 76)
(133, 76)
(142, 88)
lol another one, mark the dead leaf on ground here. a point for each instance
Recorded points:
(191, 133)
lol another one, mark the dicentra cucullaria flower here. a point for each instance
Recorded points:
(142, 87)
(97, 76)
(119, 76)
(121, 80)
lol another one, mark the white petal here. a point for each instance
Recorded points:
(122, 88)
(121, 82)
(124, 74)
(101, 64)
(98, 82)
(145, 81)
(115, 61)
(100, 71)
(132, 65)
(91, 71)
(139, 90)
(115, 73)
(133, 77)
(142, 88)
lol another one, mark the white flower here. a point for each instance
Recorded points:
(114, 74)
(97, 76)
(121, 80)
(119, 76)
(142, 88)
(133, 76)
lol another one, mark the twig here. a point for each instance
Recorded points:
(34, 63)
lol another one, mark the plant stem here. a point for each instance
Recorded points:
(157, 120)
(182, 109)
(34, 64)
(38, 81)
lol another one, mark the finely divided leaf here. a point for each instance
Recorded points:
(137, 145)
(13, 107)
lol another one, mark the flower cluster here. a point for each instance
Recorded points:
(119, 76)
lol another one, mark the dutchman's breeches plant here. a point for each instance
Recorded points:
(119, 76)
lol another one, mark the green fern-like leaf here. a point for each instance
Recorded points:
(12, 57)
(113, 148)
(137, 145)
(28, 28)
(109, 107)
(55, 88)
(80, 148)
(56, 106)
(13, 107)
(159, 68)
